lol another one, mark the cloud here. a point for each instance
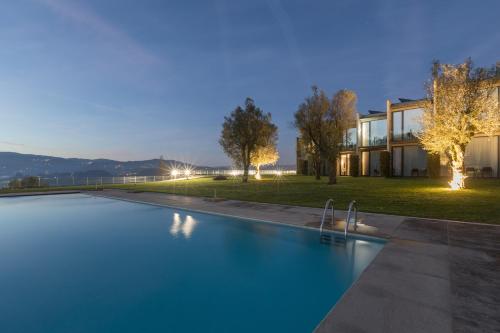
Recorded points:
(14, 144)
(86, 17)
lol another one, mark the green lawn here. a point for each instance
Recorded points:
(410, 197)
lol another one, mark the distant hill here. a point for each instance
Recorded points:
(15, 164)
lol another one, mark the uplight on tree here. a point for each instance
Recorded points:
(460, 104)
(265, 155)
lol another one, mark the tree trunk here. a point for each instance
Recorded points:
(318, 170)
(245, 173)
(332, 179)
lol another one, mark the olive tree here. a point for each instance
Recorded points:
(460, 104)
(245, 131)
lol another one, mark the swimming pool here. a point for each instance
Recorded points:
(78, 263)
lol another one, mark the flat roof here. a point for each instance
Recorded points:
(380, 115)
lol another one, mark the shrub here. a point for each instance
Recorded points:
(15, 183)
(26, 182)
(354, 165)
(433, 165)
(220, 177)
(385, 163)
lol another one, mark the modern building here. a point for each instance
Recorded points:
(391, 136)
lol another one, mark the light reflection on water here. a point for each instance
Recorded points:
(185, 227)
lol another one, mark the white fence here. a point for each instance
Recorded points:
(174, 174)
(237, 172)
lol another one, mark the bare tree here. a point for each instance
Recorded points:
(341, 117)
(323, 123)
(244, 131)
(265, 155)
(310, 122)
(460, 104)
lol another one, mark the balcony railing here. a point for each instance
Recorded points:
(404, 137)
(374, 142)
(349, 146)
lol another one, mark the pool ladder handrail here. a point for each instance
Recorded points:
(352, 206)
(329, 203)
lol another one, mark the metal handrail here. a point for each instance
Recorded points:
(328, 202)
(352, 205)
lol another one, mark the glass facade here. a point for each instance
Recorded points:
(481, 157)
(365, 134)
(406, 124)
(397, 126)
(409, 161)
(370, 163)
(344, 164)
(365, 163)
(374, 133)
(397, 159)
(350, 139)
(378, 132)
(414, 161)
(375, 163)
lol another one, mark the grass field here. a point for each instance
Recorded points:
(400, 196)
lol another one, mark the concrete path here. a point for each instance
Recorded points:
(432, 275)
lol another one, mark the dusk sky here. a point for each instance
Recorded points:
(127, 79)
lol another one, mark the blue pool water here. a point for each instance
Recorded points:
(76, 263)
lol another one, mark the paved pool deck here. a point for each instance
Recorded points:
(432, 275)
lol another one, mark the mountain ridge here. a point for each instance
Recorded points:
(16, 164)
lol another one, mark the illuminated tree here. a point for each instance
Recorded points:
(266, 155)
(460, 104)
(245, 131)
(322, 125)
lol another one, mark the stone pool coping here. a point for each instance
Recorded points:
(29, 194)
(431, 276)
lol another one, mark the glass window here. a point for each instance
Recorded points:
(397, 158)
(411, 123)
(344, 164)
(397, 126)
(365, 163)
(415, 161)
(365, 133)
(378, 132)
(352, 137)
(481, 157)
(375, 163)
